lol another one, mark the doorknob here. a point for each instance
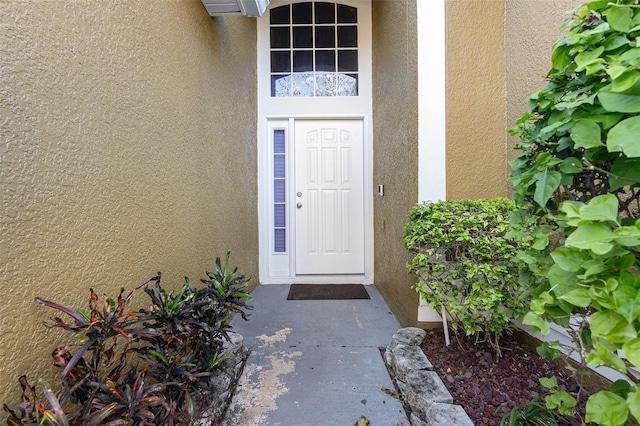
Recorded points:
(299, 205)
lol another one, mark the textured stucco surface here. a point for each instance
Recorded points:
(395, 128)
(498, 53)
(531, 28)
(128, 147)
(476, 155)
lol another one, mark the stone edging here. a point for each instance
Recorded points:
(421, 388)
(224, 382)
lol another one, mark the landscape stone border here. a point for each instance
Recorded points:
(225, 380)
(421, 389)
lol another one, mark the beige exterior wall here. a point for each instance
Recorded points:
(395, 138)
(528, 46)
(128, 147)
(476, 157)
(498, 53)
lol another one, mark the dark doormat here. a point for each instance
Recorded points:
(327, 292)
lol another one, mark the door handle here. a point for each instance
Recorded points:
(299, 205)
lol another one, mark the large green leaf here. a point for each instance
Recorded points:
(607, 409)
(596, 237)
(578, 297)
(619, 102)
(628, 236)
(606, 120)
(586, 134)
(624, 172)
(561, 281)
(619, 18)
(627, 300)
(625, 80)
(630, 55)
(569, 259)
(602, 208)
(633, 402)
(560, 57)
(624, 137)
(632, 351)
(616, 71)
(588, 57)
(611, 326)
(546, 184)
(534, 321)
(614, 42)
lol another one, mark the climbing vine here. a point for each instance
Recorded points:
(577, 178)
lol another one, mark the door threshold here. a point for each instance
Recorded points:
(319, 279)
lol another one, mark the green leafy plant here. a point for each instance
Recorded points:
(463, 259)
(558, 407)
(577, 180)
(148, 367)
(533, 413)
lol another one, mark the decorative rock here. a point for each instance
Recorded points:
(409, 336)
(408, 358)
(225, 380)
(429, 400)
(417, 421)
(425, 388)
(447, 414)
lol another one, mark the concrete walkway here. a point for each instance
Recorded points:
(315, 362)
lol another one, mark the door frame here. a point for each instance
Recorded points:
(280, 268)
(282, 112)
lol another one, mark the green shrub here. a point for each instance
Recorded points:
(463, 260)
(578, 182)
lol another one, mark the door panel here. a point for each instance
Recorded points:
(329, 198)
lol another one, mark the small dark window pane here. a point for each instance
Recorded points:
(347, 36)
(347, 14)
(279, 215)
(301, 13)
(279, 191)
(278, 166)
(303, 60)
(347, 60)
(325, 13)
(279, 15)
(325, 37)
(280, 61)
(326, 60)
(278, 141)
(280, 243)
(280, 37)
(302, 37)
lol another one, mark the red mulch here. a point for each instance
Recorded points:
(487, 389)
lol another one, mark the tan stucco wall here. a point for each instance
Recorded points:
(498, 53)
(531, 28)
(476, 156)
(395, 128)
(128, 147)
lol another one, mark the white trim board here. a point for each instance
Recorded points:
(431, 100)
(431, 29)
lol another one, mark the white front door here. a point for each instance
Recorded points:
(328, 196)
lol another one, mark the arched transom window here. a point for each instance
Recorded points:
(314, 49)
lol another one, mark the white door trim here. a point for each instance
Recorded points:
(282, 112)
